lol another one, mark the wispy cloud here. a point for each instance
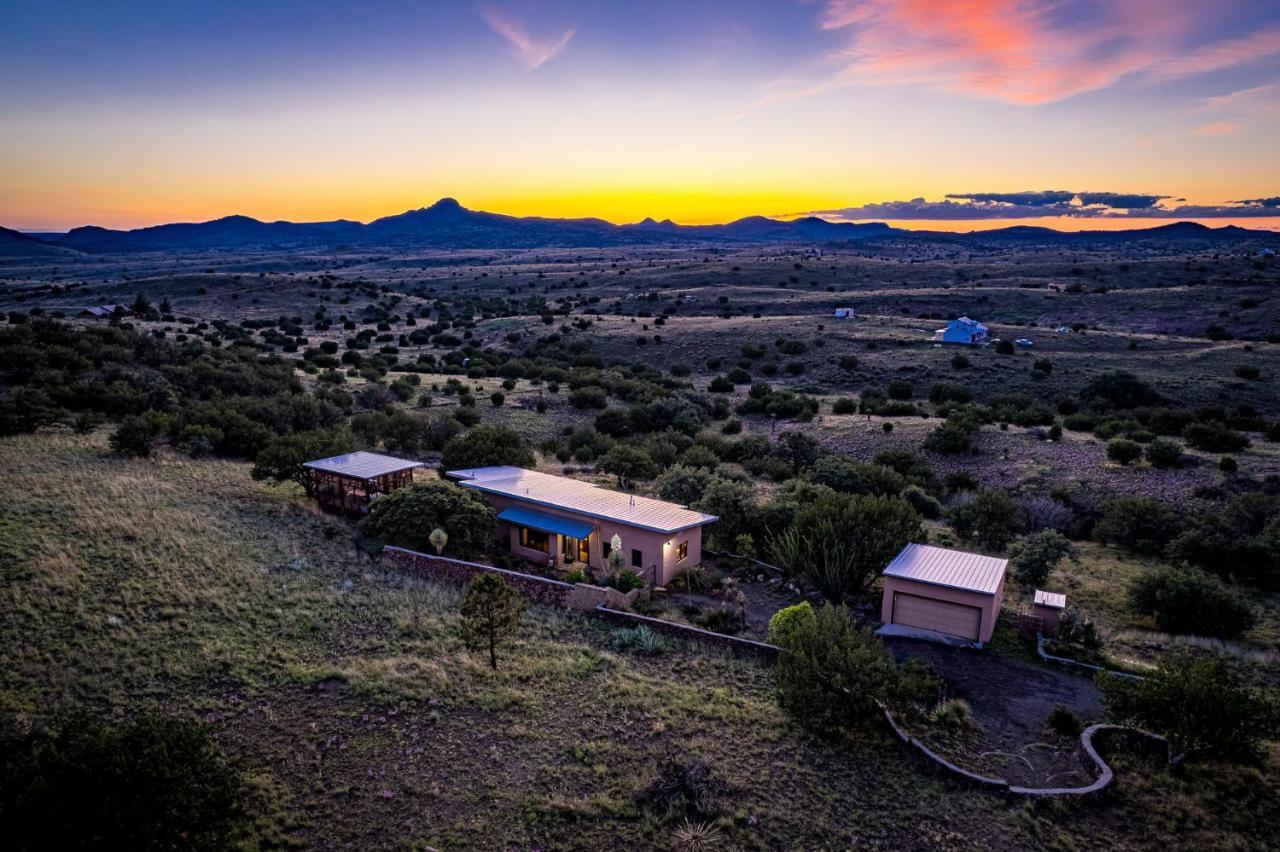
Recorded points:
(1022, 51)
(1218, 128)
(533, 52)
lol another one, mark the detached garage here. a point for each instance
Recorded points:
(949, 592)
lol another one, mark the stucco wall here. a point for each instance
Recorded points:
(988, 604)
(658, 565)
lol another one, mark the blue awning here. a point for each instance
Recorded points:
(547, 523)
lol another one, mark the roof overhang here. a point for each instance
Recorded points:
(524, 517)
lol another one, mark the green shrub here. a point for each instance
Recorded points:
(949, 392)
(406, 517)
(990, 518)
(1198, 702)
(1185, 600)
(1036, 555)
(1064, 723)
(831, 674)
(156, 783)
(484, 446)
(1123, 451)
(1163, 453)
(1214, 437)
(787, 620)
(137, 433)
(1137, 524)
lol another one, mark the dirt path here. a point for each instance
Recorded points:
(1011, 702)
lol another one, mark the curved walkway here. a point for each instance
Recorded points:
(1105, 773)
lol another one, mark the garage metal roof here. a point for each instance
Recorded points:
(362, 465)
(584, 498)
(954, 569)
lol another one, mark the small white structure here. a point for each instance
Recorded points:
(845, 313)
(967, 331)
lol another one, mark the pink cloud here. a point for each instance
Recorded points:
(1218, 128)
(532, 51)
(1026, 51)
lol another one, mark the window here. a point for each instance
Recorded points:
(584, 551)
(682, 551)
(605, 549)
(535, 540)
(637, 558)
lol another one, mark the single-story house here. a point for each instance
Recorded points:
(937, 590)
(846, 313)
(570, 523)
(350, 482)
(970, 332)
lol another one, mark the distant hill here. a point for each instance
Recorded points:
(1174, 232)
(447, 224)
(17, 244)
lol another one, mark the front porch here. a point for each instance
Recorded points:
(560, 544)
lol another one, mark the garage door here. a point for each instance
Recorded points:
(938, 616)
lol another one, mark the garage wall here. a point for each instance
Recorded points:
(989, 605)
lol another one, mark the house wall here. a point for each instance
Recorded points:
(658, 566)
(989, 604)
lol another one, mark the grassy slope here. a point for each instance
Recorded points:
(173, 584)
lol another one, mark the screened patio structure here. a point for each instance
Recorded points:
(350, 482)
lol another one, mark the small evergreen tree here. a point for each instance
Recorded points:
(491, 614)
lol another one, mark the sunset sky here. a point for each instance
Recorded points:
(1080, 114)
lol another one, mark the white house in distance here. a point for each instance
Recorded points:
(968, 332)
(846, 313)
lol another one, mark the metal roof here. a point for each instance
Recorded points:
(1053, 600)
(362, 465)
(547, 523)
(572, 495)
(954, 569)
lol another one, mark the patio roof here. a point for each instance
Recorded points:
(547, 523)
(362, 465)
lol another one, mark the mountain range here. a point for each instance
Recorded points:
(447, 224)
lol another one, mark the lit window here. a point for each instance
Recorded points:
(535, 540)
(682, 551)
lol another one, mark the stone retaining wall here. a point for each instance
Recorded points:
(763, 650)
(539, 590)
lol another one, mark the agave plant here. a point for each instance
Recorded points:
(695, 836)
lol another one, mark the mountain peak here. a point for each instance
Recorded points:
(445, 205)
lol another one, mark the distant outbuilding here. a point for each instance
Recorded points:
(846, 313)
(106, 311)
(966, 331)
(951, 593)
